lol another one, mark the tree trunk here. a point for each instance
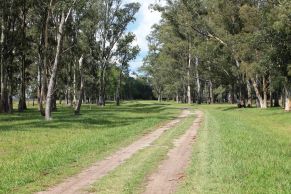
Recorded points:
(54, 103)
(283, 98)
(249, 88)
(160, 95)
(3, 72)
(118, 89)
(3, 86)
(85, 100)
(271, 99)
(52, 81)
(81, 92)
(259, 97)
(189, 75)
(101, 85)
(39, 77)
(288, 97)
(1, 64)
(22, 100)
(198, 81)
(265, 93)
(211, 96)
(276, 99)
(74, 86)
(44, 82)
(232, 98)
(10, 97)
(104, 87)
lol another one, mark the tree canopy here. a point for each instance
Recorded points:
(222, 51)
(72, 50)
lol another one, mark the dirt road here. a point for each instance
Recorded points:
(171, 171)
(79, 183)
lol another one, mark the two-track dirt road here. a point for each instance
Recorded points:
(163, 181)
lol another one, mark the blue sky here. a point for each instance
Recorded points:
(146, 18)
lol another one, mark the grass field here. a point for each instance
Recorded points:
(35, 154)
(241, 151)
(236, 151)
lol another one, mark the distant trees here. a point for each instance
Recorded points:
(64, 50)
(234, 51)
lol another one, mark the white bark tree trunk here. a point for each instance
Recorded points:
(189, 76)
(211, 93)
(74, 86)
(198, 81)
(81, 92)
(288, 98)
(265, 93)
(51, 86)
(260, 98)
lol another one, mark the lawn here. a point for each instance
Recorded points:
(35, 154)
(241, 151)
(236, 150)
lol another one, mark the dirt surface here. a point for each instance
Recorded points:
(81, 182)
(171, 171)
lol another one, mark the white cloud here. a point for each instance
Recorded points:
(146, 18)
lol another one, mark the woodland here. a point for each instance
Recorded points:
(218, 51)
(203, 113)
(72, 51)
(214, 51)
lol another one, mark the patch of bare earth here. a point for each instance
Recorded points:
(171, 171)
(79, 183)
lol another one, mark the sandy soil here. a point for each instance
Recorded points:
(79, 183)
(171, 171)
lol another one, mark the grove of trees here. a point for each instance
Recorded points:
(236, 51)
(73, 50)
(78, 51)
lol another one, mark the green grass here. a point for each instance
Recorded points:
(241, 151)
(236, 151)
(35, 154)
(129, 177)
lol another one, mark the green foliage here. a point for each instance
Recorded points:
(235, 42)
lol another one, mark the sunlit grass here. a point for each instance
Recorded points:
(241, 151)
(35, 154)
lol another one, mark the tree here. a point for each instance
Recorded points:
(126, 53)
(235, 46)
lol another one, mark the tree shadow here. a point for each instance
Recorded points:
(95, 118)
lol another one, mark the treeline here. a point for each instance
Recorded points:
(78, 50)
(236, 51)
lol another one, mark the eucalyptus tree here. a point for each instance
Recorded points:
(126, 52)
(115, 17)
(151, 66)
(64, 10)
(14, 54)
(278, 36)
(235, 44)
(8, 40)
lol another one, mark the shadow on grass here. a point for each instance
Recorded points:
(91, 118)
